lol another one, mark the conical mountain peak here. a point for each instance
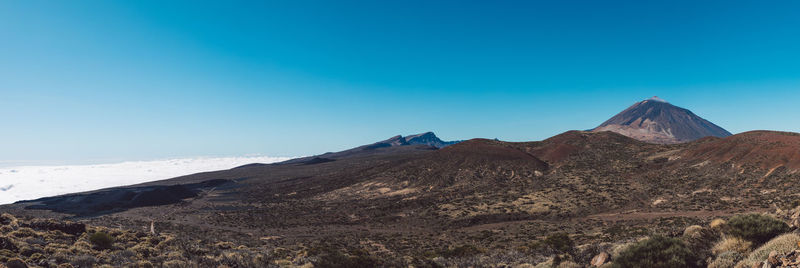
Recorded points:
(656, 120)
(656, 98)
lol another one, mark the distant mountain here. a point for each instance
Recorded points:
(428, 138)
(422, 141)
(657, 121)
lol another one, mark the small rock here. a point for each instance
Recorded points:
(773, 258)
(600, 259)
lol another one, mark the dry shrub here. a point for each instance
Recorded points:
(55, 247)
(734, 244)
(16, 263)
(756, 228)
(569, 264)
(780, 244)
(144, 250)
(717, 224)
(81, 247)
(692, 231)
(23, 232)
(126, 237)
(175, 264)
(700, 240)
(726, 260)
(36, 258)
(658, 251)
(7, 243)
(547, 264)
(619, 248)
(6, 255)
(102, 240)
(224, 245)
(84, 261)
(144, 264)
(9, 220)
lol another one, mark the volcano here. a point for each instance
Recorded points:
(657, 121)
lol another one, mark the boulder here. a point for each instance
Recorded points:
(773, 258)
(600, 259)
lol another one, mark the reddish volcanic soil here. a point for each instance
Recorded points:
(760, 149)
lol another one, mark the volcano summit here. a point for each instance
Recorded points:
(657, 121)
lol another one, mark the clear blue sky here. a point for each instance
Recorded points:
(89, 80)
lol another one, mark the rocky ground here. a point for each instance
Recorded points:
(476, 203)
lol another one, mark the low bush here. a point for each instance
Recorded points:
(700, 240)
(734, 244)
(6, 243)
(726, 260)
(356, 259)
(7, 219)
(781, 244)
(658, 252)
(461, 251)
(756, 228)
(101, 240)
(23, 232)
(717, 224)
(560, 242)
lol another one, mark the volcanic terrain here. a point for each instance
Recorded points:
(411, 203)
(656, 120)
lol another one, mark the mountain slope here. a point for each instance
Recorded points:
(422, 141)
(404, 200)
(657, 121)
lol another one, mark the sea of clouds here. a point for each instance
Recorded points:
(32, 182)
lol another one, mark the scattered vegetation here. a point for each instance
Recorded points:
(727, 259)
(783, 243)
(658, 251)
(717, 224)
(461, 251)
(756, 228)
(732, 244)
(560, 242)
(47, 245)
(101, 240)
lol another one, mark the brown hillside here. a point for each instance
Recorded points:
(421, 202)
(756, 149)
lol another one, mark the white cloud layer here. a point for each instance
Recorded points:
(32, 182)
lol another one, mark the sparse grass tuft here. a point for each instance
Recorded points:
(726, 260)
(717, 224)
(734, 244)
